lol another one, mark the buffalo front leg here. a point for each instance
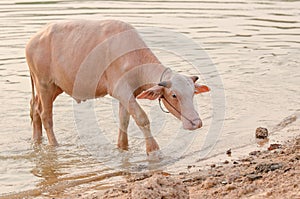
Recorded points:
(124, 121)
(143, 123)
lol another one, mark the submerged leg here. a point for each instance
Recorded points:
(35, 107)
(143, 123)
(124, 121)
(48, 96)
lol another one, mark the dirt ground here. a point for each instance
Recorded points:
(273, 173)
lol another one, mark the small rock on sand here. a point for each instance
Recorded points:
(228, 152)
(261, 133)
(266, 167)
(274, 146)
(253, 177)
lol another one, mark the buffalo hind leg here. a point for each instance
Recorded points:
(124, 121)
(35, 107)
(47, 97)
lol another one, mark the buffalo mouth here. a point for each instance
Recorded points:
(192, 124)
(188, 124)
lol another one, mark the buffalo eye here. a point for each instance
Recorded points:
(174, 96)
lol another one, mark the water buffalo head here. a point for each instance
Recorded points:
(177, 95)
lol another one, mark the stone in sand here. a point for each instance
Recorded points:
(261, 133)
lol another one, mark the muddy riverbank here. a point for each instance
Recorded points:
(270, 173)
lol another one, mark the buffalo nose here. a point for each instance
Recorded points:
(197, 123)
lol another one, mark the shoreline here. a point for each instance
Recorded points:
(269, 173)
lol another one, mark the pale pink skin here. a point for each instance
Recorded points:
(57, 53)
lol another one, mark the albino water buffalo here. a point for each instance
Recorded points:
(90, 59)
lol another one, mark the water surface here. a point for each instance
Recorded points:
(254, 45)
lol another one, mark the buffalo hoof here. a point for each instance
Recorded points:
(155, 156)
(123, 147)
(151, 145)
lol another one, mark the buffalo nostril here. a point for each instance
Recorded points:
(197, 123)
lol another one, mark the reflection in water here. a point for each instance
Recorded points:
(262, 142)
(47, 166)
(254, 44)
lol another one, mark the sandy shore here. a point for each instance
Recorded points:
(272, 173)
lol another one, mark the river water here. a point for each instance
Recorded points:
(253, 46)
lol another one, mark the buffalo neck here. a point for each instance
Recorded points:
(150, 75)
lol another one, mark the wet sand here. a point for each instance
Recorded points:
(270, 173)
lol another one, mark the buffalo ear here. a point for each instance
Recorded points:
(201, 89)
(152, 93)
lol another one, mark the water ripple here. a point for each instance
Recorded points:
(254, 45)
